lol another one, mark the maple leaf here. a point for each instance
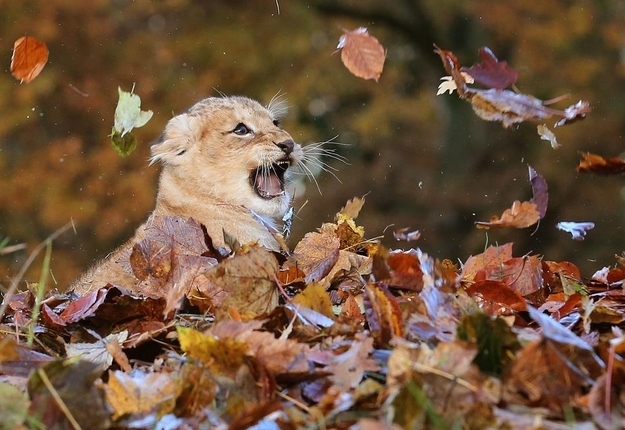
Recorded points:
(520, 215)
(29, 57)
(597, 164)
(449, 85)
(362, 54)
(577, 229)
(491, 72)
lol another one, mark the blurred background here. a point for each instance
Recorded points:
(423, 161)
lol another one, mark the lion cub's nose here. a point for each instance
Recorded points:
(286, 146)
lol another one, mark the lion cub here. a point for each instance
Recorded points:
(225, 164)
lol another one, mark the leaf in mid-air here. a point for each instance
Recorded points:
(362, 54)
(29, 57)
(128, 115)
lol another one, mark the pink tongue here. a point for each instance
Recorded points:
(269, 185)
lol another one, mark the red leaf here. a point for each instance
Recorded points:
(491, 72)
(29, 57)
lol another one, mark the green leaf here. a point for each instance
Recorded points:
(123, 145)
(128, 115)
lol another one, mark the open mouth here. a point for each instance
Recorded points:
(268, 180)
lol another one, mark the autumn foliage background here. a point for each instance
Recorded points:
(424, 161)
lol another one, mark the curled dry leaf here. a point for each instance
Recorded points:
(491, 72)
(546, 134)
(577, 229)
(539, 190)
(362, 54)
(597, 164)
(520, 215)
(30, 55)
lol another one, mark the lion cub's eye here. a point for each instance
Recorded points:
(241, 129)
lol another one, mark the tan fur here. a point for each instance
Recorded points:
(206, 176)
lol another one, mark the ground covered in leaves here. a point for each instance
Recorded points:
(340, 333)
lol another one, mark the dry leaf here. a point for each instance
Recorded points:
(491, 72)
(597, 164)
(362, 54)
(29, 57)
(140, 393)
(492, 257)
(407, 235)
(577, 229)
(498, 104)
(539, 190)
(546, 134)
(520, 215)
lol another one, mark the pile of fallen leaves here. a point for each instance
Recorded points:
(340, 333)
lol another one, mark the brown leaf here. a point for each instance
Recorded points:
(597, 164)
(405, 270)
(520, 215)
(383, 315)
(548, 135)
(316, 254)
(246, 282)
(491, 72)
(352, 208)
(362, 54)
(29, 57)
(493, 257)
(496, 298)
(540, 191)
(139, 393)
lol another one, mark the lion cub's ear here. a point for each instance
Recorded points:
(179, 135)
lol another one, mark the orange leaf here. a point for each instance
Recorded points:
(597, 164)
(29, 57)
(362, 54)
(520, 215)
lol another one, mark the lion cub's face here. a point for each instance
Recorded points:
(229, 149)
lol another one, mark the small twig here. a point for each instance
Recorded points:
(58, 399)
(15, 282)
(12, 248)
(433, 370)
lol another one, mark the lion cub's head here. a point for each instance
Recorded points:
(229, 150)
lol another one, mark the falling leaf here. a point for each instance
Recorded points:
(574, 113)
(546, 134)
(520, 215)
(406, 234)
(491, 72)
(362, 54)
(539, 190)
(449, 84)
(498, 104)
(128, 115)
(577, 229)
(29, 57)
(597, 164)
